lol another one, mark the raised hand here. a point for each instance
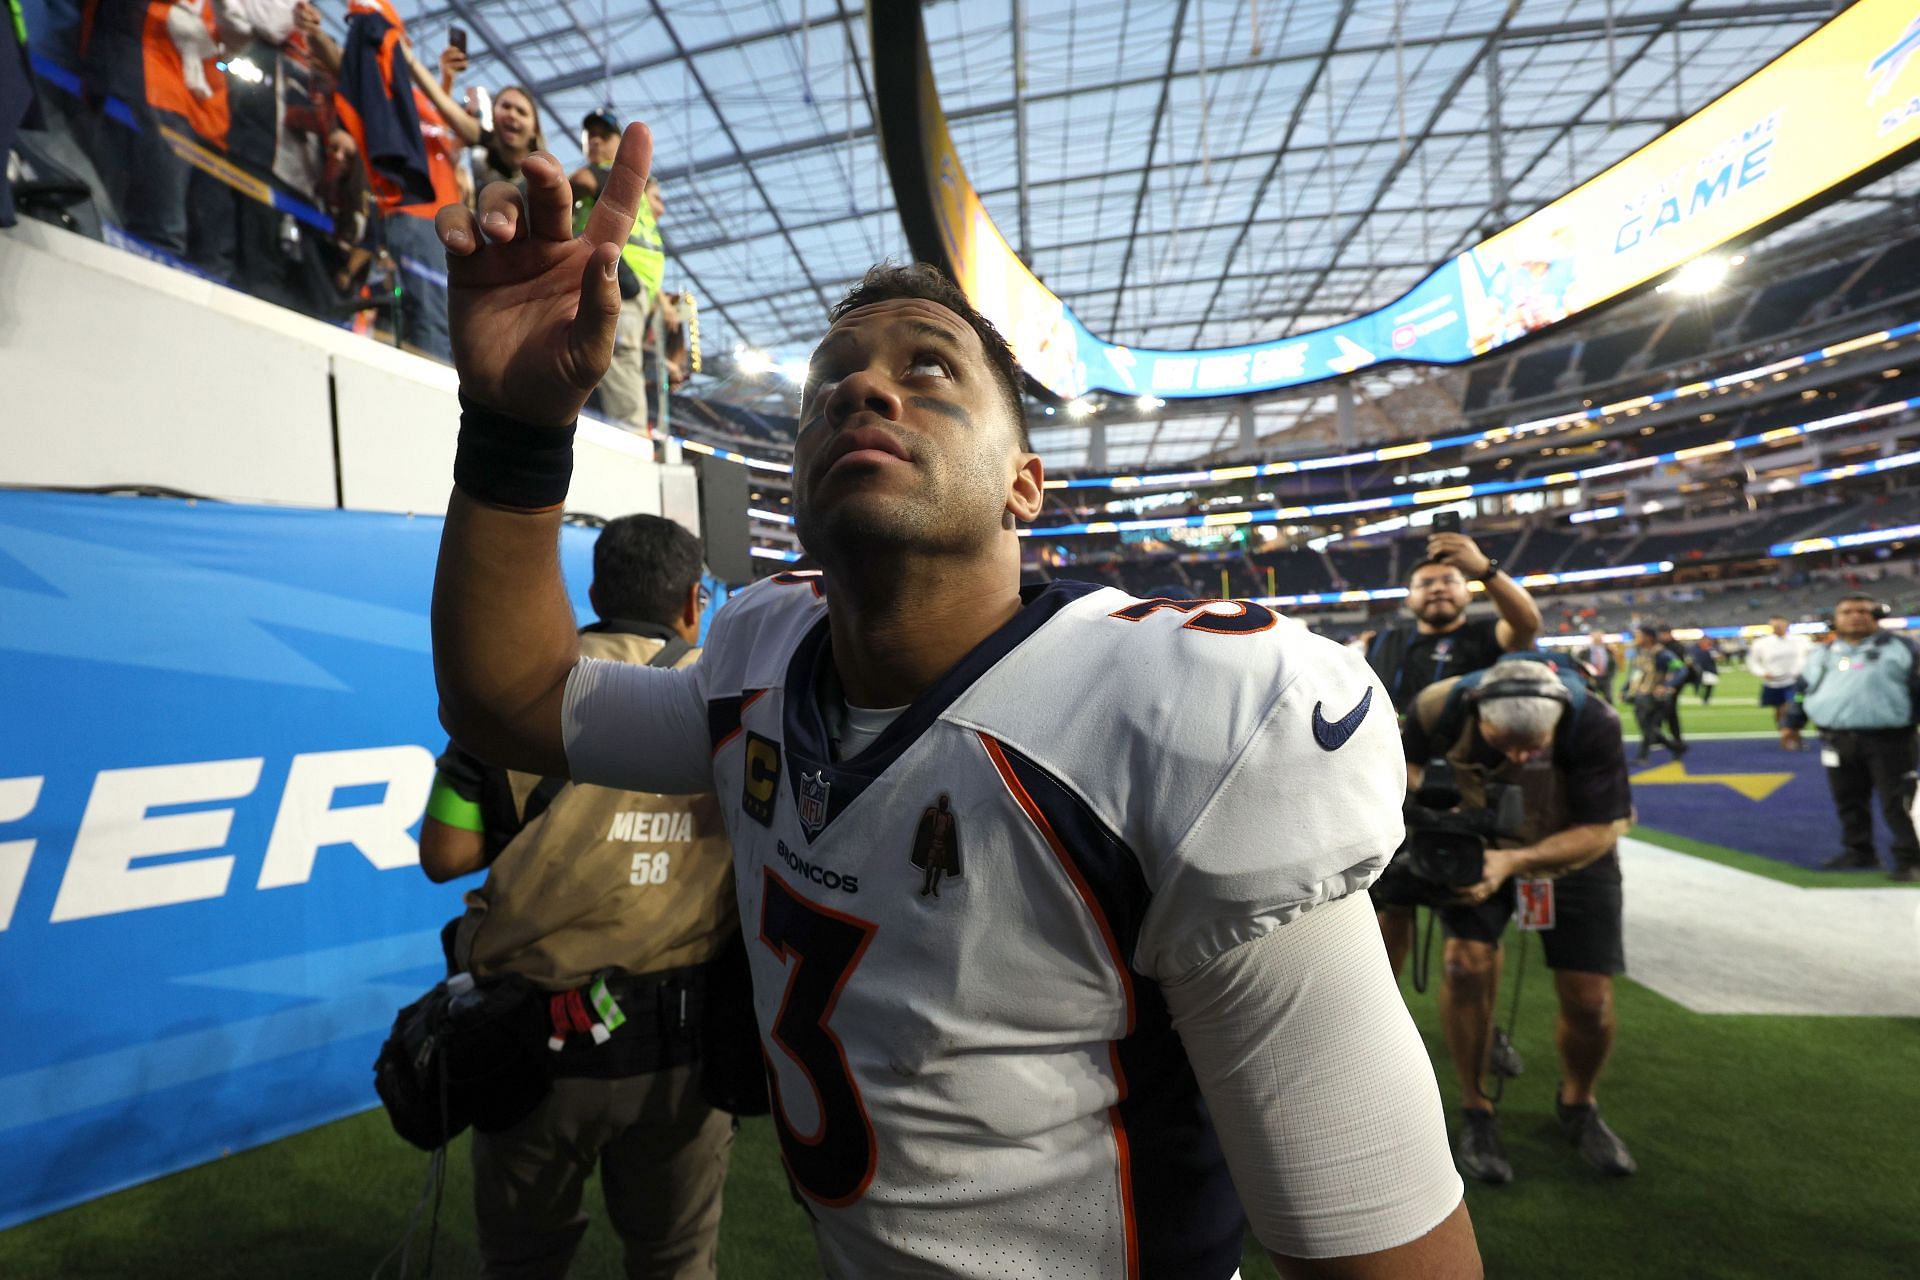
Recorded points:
(532, 308)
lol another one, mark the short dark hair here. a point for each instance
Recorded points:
(888, 281)
(643, 568)
(1434, 562)
(1860, 597)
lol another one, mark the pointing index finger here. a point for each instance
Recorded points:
(620, 195)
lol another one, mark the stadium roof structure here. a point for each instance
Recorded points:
(1183, 172)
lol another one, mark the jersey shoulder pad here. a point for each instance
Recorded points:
(1142, 706)
(754, 634)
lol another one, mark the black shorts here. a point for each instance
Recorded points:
(1586, 934)
(1775, 697)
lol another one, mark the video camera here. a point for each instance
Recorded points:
(1446, 846)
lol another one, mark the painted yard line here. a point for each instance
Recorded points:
(1719, 940)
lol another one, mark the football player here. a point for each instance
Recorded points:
(1052, 895)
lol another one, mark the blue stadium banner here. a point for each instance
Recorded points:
(220, 732)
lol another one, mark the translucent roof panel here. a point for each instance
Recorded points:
(1197, 172)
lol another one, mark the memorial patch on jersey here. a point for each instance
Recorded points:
(936, 846)
(761, 782)
(813, 801)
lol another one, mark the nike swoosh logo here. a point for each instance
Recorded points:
(1333, 735)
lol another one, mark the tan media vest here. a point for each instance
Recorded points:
(603, 878)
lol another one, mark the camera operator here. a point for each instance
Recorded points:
(1441, 641)
(1525, 731)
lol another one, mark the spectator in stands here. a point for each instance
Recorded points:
(17, 107)
(345, 254)
(599, 140)
(162, 59)
(622, 394)
(1603, 660)
(582, 901)
(1438, 642)
(1706, 669)
(1777, 658)
(1658, 674)
(1859, 693)
(446, 130)
(515, 135)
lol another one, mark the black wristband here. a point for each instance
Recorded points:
(1493, 567)
(507, 463)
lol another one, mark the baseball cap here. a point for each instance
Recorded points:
(600, 121)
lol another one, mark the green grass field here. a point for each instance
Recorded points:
(1769, 1146)
(1735, 707)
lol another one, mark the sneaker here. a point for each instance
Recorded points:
(1478, 1150)
(1909, 874)
(1599, 1146)
(1505, 1060)
(1850, 862)
(1679, 750)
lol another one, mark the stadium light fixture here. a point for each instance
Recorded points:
(1080, 408)
(1700, 277)
(794, 370)
(752, 362)
(1147, 404)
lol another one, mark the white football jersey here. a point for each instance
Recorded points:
(958, 936)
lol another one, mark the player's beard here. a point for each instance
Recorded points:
(953, 508)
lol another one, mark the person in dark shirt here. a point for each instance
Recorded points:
(1437, 643)
(1706, 670)
(1659, 673)
(1440, 640)
(1562, 748)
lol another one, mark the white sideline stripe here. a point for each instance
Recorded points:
(1731, 735)
(1719, 940)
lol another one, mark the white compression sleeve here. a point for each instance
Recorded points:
(637, 728)
(1319, 1086)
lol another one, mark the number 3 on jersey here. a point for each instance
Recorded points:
(835, 1163)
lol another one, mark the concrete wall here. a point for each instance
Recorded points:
(119, 371)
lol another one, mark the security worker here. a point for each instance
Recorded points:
(622, 393)
(1859, 694)
(615, 904)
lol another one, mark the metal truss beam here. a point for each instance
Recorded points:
(726, 127)
(1153, 143)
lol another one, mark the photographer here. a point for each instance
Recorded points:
(619, 902)
(1441, 641)
(1524, 736)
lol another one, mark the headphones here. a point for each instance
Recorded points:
(1520, 687)
(1881, 609)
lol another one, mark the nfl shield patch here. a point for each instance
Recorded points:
(813, 801)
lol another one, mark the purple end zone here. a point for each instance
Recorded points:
(1795, 824)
